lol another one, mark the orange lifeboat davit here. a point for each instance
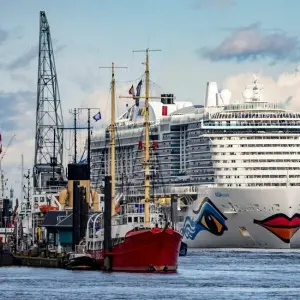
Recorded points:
(45, 208)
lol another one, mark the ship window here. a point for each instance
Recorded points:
(129, 219)
(136, 219)
(141, 219)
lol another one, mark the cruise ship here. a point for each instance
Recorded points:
(234, 166)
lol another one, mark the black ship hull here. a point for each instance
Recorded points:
(6, 258)
(82, 263)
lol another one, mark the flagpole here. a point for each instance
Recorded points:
(89, 132)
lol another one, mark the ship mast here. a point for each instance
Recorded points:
(146, 162)
(112, 137)
(112, 141)
(146, 140)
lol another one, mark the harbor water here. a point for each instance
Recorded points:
(203, 274)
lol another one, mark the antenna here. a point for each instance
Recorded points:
(253, 92)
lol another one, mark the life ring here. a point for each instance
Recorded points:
(36, 206)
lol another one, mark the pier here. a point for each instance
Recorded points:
(41, 262)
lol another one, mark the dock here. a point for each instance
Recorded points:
(41, 262)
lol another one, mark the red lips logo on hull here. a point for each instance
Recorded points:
(281, 225)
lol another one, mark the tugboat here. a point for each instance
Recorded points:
(141, 239)
(80, 260)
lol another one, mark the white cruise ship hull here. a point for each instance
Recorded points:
(243, 217)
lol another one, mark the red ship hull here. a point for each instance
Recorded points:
(154, 250)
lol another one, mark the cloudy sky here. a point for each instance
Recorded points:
(201, 40)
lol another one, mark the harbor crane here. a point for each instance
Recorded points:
(48, 157)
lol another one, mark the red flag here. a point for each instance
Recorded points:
(131, 91)
(155, 145)
(140, 145)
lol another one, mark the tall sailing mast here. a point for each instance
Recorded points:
(146, 137)
(112, 141)
(112, 137)
(146, 140)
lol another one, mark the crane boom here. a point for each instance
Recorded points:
(7, 147)
(1, 158)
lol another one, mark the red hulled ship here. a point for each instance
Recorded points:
(142, 239)
(134, 247)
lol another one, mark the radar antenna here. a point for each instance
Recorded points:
(253, 92)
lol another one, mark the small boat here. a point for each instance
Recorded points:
(77, 261)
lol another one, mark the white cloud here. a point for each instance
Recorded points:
(284, 89)
(252, 43)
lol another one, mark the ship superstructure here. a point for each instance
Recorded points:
(235, 166)
(165, 152)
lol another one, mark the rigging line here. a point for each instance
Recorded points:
(70, 141)
(155, 84)
(136, 156)
(130, 81)
(160, 170)
(82, 154)
(107, 101)
(102, 162)
(153, 156)
(120, 154)
(160, 177)
(104, 152)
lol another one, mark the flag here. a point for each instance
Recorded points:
(138, 92)
(131, 91)
(97, 116)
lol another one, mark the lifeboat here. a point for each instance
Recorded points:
(45, 208)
